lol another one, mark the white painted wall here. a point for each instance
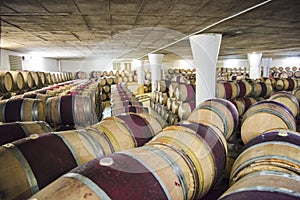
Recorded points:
(86, 65)
(30, 62)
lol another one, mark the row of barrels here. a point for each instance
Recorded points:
(73, 103)
(124, 101)
(172, 100)
(287, 72)
(279, 84)
(183, 161)
(25, 161)
(28, 106)
(124, 75)
(17, 81)
(263, 87)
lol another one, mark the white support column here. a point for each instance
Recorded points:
(254, 60)
(155, 61)
(139, 65)
(59, 65)
(266, 63)
(205, 49)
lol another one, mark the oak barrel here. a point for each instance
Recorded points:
(288, 100)
(69, 110)
(22, 109)
(12, 131)
(264, 116)
(6, 81)
(185, 92)
(218, 112)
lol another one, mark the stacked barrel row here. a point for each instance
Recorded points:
(30, 164)
(124, 101)
(173, 101)
(287, 72)
(181, 162)
(106, 83)
(268, 165)
(181, 75)
(65, 104)
(26, 114)
(259, 89)
(125, 76)
(17, 82)
(230, 74)
(281, 84)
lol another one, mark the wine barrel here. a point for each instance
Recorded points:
(263, 116)
(109, 80)
(264, 185)
(189, 138)
(71, 110)
(95, 74)
(6, 82)
(129, 130)
(49, 78)
(42, 78)
(111, 73)
(289, 100)
(239, 104)
(296, 93)
(20, 109)
(159, 109)
(268, 154)
(227, 90)
(185, 109)
(81, 75)
(218, 112)
(25, 159)
(163, 97)
(264, 169)
(163, 85)
(248, 102)
(174, 106)
(169, 103)
(36, 79)
(12, 131)
(245, 88)
(105, 73)
(28, 80)
(140, 168)
(172, 119)
(185, 92)
(172, 87)
(289, 84)
(116, 80)
(261, 89)
(18, 80)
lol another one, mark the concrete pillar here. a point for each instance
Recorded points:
(139, 65)
(254, 60)
(59, 65)
(205, 50)
(266, 63)
(155, 61)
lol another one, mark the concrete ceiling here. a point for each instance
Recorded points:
(130, 29)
